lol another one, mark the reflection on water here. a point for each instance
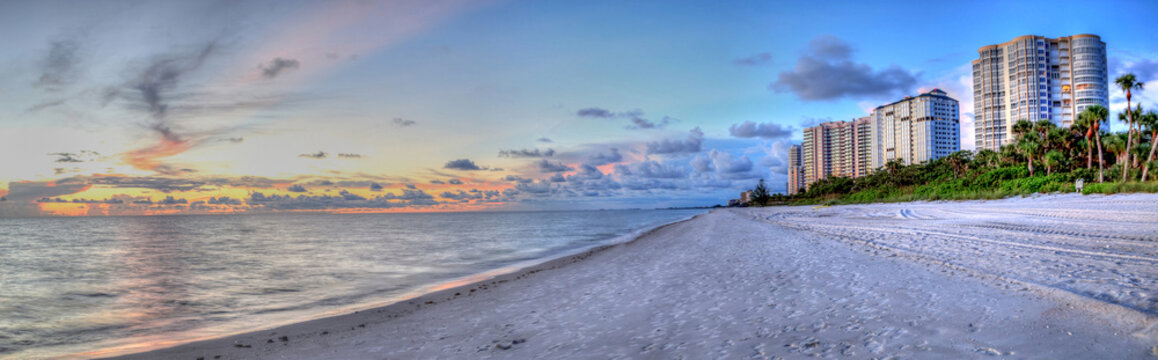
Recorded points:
(73, 285)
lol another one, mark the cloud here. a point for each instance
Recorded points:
(544, 140)
(596, 113)
(436, 181)
(82, 156)
(454, 182)
(224, 200)
(59, 66)
(526, 153)
(1145, 70)
(547, 166)
(461, 164)
(235, 140)
(28, 191)
(537, 188)
(702, 164)
(45, 105)
(169, 200)
(518, 179)
(557, 178)
(827, 72)
(349, 156)
(277, 66)
(641, 123)
(162, 184)
(318, 155)
(586, 172)
(151, 92)
(692, 144)
(411, 187)
(346, 195)
(651, 169)
(612, 156)
(807, 122)
(375, 186)
(768, 130)
(726, 163)
(828, 46)
(345, 200)
(400, 122)
(156, 82)
(754, 60)
(296, 188)
(635, 116)
(460, 195)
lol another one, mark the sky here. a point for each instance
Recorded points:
(222, 107)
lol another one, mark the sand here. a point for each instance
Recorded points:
(1062, 276)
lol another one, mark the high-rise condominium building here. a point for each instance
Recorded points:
(1034, 78)
(837, 148)
(795, 169)
(915, 129)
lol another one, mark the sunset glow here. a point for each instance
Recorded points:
(415, 106)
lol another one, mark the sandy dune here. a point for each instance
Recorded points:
(1051, 277)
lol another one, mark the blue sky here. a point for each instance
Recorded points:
(107, 103)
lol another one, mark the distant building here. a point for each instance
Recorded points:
(837, 148)
(1034, 78)
(795, 169)
(915, 129)
(746, 197)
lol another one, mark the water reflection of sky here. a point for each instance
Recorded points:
(133, 283)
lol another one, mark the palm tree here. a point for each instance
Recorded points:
(1022, 127)
(1116, 144)
(1030, 145)
(959, 161)
(1137, 139)
(1128, 83)
(1085, 125)
(987, 158)
(1025, 133)
(1053, 159)
(1096, 114)
(1056, 140)
(1150, 121)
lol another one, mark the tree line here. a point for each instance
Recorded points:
(1043, 158)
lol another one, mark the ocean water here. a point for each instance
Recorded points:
(70, 286)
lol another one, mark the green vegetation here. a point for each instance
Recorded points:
(1044, 158)
(760, 195)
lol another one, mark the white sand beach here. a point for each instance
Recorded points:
(1058, 276)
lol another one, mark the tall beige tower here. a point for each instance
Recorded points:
(795, 169)
(837, 148)
(1034, 78)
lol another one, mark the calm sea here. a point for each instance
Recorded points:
(70, 285)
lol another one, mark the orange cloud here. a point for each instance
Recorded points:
(149, 158)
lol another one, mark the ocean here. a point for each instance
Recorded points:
(74, 285)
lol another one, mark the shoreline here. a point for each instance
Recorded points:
(406, 303)
(738, 283)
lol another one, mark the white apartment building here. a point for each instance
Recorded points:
(1033, 78)
(915, 129)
